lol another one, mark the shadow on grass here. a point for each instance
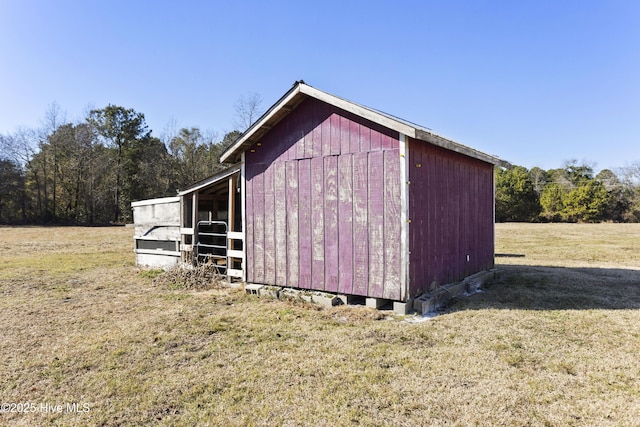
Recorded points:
(523, 287)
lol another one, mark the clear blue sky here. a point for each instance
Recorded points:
(533, 82)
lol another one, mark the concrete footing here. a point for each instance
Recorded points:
(252, 289)
(321, 298)
(325, 299)
(403, 307)
(376, 302)
(422, 304)
(428, 303)
(270, 291)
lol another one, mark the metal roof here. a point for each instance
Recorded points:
(211, 180)
(155, 201)
(300, 91)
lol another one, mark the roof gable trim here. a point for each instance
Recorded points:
(301, 90)
(271, 112)
(359, 110)
(210, 181)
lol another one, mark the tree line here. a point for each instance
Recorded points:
(572, 193)
(89, 172)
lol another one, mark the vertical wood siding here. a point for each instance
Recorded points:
(323, 202)
(317, 221)
(304, 223)
(392, 287)
(280, 231)
(269, 227)
(345, 224)
(332, 260)
(375, 199)
(360, 236)
(451, 212)
(292, 203)
(249, 261)
(258, 228)
(323, 208)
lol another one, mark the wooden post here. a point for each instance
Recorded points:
(243, 199)
(231, 220)
(183, 241)
(404, 216)
(194, 219)
(230, 224)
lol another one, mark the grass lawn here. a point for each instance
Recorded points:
(554, 342)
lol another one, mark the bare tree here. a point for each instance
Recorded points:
(54, 118)
(630, 174)
(248, 109)
(538, 179)
(21, 147)
(169, 132)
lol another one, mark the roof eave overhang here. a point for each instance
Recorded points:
(435, 139)
(210, 181)
(301, 91)
(290, 101)
(277, 112)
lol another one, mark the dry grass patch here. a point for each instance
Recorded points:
(570, 245)
(543, 346)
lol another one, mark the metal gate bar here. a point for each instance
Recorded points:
(214, 233)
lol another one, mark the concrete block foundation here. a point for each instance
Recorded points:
(423, 304)
(428, 303)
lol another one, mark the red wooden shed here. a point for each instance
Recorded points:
(341, 198)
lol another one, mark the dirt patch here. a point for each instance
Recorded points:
(203, 276)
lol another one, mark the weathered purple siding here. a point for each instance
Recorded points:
(323, 208)
(280, 231)
(332, 260)
(322, 204)
(451, 213)
(393, 288)
(304, 224)
(345, 224)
